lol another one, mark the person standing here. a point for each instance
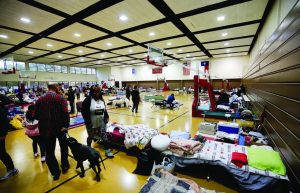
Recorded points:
(4, 156)
(95, 118)
(135, 97)
(71, 98)
(52, 114)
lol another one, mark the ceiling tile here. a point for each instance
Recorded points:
(183, 6)
(143, 55)
(43, 60)
(161, 31)
(60, 56)
(183, 49)
(81, 59)
(231, 33)
(229, 50)
(4, 47)
(137, 12)
(13, 11)
(19, 57)
(48, 44)
(86, 33)
(65, 62)
(120, 59)
(231, 55)
(238, 42)
(77, 51)
(131, 50)
(13, 37)
(103, 55)
(243, 12)
(70, 6)
(173, 43)
(113, 43)
(25, 51)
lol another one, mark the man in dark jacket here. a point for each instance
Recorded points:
(135, 97)
(71, 99)
(54, 120)
(4, 156)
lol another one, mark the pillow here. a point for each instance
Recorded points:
(160, 142)
(266, 160)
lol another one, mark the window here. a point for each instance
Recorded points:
(64, 69)
(93, 71)
(83, 70)
(32, 67)
(20, 65)
(88, 71)
(78, 70)
(72, 70)
(49, 68)
(9, 64)
(41, 67)
(57, 68)
(1, 65)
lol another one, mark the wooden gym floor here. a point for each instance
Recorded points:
(34, 176)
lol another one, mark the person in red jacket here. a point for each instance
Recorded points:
(51, 111)
(4, 156)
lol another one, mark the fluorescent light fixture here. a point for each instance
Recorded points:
(227, 50)
(30, 52)
(123, 18)
(25, 20)
(221, 18)
(77, 34)
(169, 43)
(80, 51)
(151, 34)
(224, 34)
(49, 45)
(130, 50)
(226, 44)
(180, 50)
(102, 55)
(59, 56)
(3, 36)
(109, 44)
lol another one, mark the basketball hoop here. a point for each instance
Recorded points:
(26, 75)
(155, 56)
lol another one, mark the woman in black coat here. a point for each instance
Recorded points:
(96, 117)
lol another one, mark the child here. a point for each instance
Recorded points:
(32, 131)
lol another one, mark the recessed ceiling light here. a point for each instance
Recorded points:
(81, 59)
(145, 55)
(30, 52)
(224, 34)
(229, 54)
(180, 50)
(3, 36)
(221, 18)
(25, 20)
(169, 43)
(109, 44)
(77, 34)
(188, 55)
(130, 50)
(49, 45)
(151, 34)
(227, 50)
(59, 56)
(99, 62)
(123, 18)
(226, 44)
(119, 59)
(80, 51)
(102, 55)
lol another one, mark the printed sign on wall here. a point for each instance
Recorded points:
(186, 70)
(156, 70)
(133, 70)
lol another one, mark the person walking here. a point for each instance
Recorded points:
(95, 118)
(135, 97)
(52, 114)
(71, 99)
(4, 156)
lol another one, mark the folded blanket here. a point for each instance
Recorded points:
(239, 159)
(185, 146)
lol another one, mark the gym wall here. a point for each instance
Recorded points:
(273, 84)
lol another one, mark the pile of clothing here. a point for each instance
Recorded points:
(185, 146)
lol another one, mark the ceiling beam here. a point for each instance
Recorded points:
(168, 13)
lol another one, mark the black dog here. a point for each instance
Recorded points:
(84, 152)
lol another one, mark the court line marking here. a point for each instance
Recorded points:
(173, 120)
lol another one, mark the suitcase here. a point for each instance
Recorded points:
(227, 127)
(207, 128)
